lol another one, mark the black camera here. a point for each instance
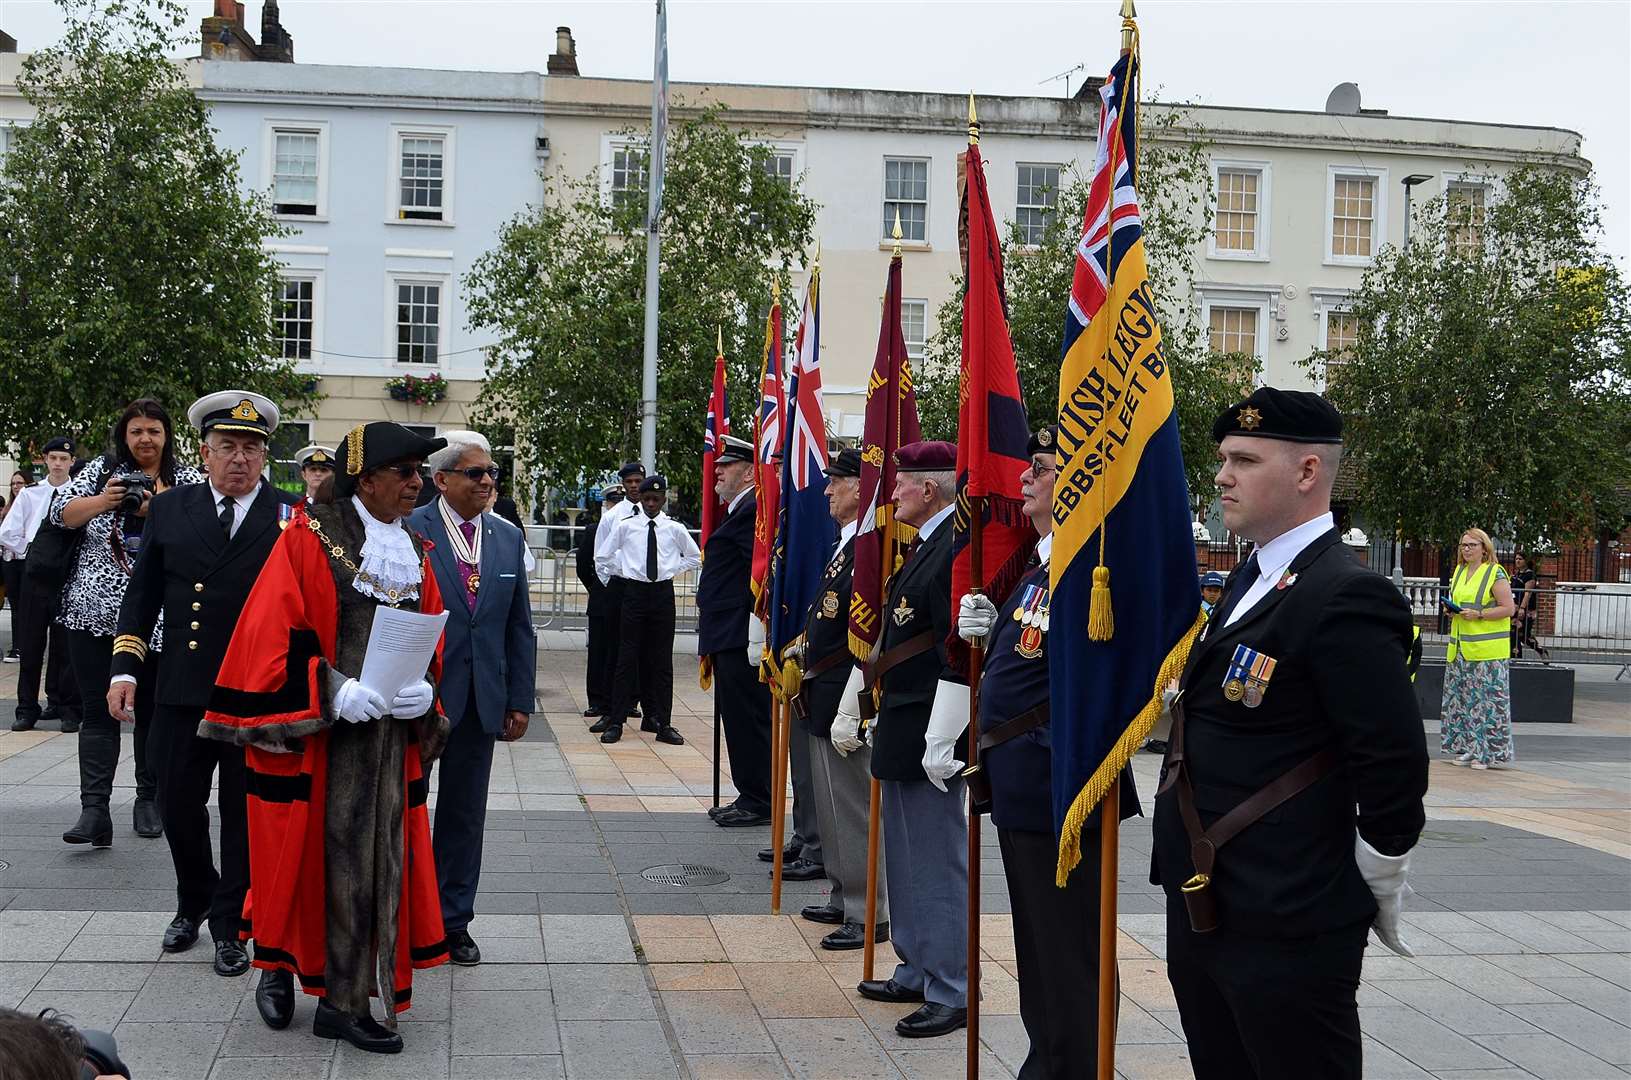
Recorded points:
(135, 482)
(101, 1056)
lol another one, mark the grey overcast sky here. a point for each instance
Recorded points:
(1542, 62)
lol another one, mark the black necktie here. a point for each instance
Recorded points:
(651, 550)
(1242, 585)
(226, 515)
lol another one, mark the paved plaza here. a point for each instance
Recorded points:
(1521, 922)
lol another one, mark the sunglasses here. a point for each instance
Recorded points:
(475, 472)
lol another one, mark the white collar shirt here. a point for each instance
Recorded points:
(240, 506)
(740, 495)
(625, 554)
(927, 529)
(608, 526)
(23, 520)
(1273, 558)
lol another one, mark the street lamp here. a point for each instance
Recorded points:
(1409, 183)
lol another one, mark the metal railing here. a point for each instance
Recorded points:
(1577, 622)
(560, 601)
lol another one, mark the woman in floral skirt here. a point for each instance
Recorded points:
(1477, 706)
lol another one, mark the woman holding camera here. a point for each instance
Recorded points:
(108, 500)
(1476, 710)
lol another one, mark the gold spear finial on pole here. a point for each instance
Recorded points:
(719, 339)
(817, 263)
(896, 234)
(973, 121)
(1128, 13)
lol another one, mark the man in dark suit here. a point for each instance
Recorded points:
(597, 681)
(725, 622)
(202, 549)
(489, 663)
(1296, 730)
(924, 824)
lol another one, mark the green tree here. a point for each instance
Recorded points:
(131, 262)
(1176, 208)
(563, 292)
(1490, 385)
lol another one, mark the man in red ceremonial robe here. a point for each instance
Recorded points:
(342, 884)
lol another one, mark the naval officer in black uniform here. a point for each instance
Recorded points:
(1056, 931)
(1292, 789)
(201, 552)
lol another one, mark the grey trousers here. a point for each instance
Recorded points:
(843, 798)
(926, 849)
(805, 824)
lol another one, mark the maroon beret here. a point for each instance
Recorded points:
(928, 456)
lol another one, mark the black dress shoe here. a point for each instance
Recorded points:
(593, 711)
(274, 999)
(667, 734)
(612, 734)
(802, 870)
(461, 950)
(823, 913)
(51, 712)
(363, 1032)
(70, 725)
(887, 990)
(852, 935)
(600, 725)
(180, 935)
(931, 1020)
(723, 808)
(145, 819)
(24, 723)
(789, 853)
(230, 959)
(739, 818)
(94, 827)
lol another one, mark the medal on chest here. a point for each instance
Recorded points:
(829, 606)
(1032, 616)
(465, 551)
(1248, 676)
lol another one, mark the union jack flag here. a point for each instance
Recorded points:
(807, 439)
(1089, 287)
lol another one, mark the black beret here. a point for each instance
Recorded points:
(1289, 415)
(1044, 440)
(631, 468)
(61, 442)
(733, 449)
(658, 483)
(847, 462)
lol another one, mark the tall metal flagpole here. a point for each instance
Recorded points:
(654, 208)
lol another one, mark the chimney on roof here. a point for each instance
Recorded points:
(7, 42)
(224, 37)
(276, 44)
(564, 60)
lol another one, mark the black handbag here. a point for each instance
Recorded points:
(51, 556)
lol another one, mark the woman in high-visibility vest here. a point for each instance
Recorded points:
(1476, 715)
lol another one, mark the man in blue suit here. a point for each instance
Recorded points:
(489, 662)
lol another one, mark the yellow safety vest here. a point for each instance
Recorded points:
(1486, 639)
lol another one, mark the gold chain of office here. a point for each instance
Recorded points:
(392, 596)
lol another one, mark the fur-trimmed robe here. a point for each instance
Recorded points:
(342, 884)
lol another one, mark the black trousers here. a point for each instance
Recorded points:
(461, 816)
(744, 712)
(1267, 1008)
(645, 653)
(1056, 946)
(92, 659)
(42, 645)
(602, 662)
(186, 763)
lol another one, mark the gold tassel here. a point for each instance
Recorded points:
(1101, 620)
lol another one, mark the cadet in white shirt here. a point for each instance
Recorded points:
(647, 551)
(631, 476)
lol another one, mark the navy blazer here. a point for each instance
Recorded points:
(499, 631)
(724, 596)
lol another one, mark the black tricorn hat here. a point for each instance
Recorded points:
(370, 446)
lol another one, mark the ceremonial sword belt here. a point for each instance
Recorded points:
(912, 646)
(1204, 843)
(979, 781)
(837, 657)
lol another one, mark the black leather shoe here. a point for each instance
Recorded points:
(600, 725)
(180, 935)
(70, 725)
(723, 808)
(94, 827)
(51, 712)
(741, 819)
(363, 1032)
(274, 999)
(667, 734)
(24, 723)
(852, 935)
(230, 959)
(612, 733)
(823, 913)
(461, 950)
(789, 853)
(145, 819)
(887, 990)
(592, 711)
(802, 870)
(931, 1020)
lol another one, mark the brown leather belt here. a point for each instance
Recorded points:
(901, 653)
(1013, 729)
(828, 662)
(1204, 843)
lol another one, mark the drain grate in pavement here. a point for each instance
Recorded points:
(684, 875)
(4, 865)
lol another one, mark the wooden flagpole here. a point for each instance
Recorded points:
(976, 660)
(778, 793)
(870, 945)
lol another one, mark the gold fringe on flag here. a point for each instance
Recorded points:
(1070, 835)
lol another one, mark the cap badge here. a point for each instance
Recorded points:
(245, 410)
(1044, 437)
(1249, 418)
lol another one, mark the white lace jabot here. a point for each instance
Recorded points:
(389, 569)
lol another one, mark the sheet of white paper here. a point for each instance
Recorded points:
(400, 647)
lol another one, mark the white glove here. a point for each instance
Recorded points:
(1385, 874)
(358, 704)
(413, 700)
(756, 641)
(976, 615)
(846, 723)
(948, 719)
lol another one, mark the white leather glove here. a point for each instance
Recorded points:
(976, 615)
(756, 641)
(413, 700)
(846, 724)
(355, 702)
(1385, 874)
(948, 719)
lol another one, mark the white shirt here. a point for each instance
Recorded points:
(240, 505)
(603, 537)
(1044, 549)
(740, 495)
(625, 552)
(927, 529)
(1273, 558)
(23, 520)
